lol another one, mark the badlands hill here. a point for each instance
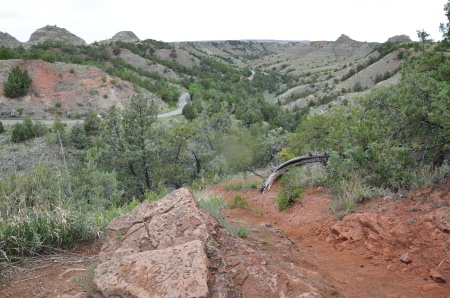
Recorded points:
(54, 33)
(316, 74)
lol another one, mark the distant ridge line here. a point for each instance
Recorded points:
(274, 40)
(249, 40)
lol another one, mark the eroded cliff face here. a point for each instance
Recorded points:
(67, 90)
(173, 248)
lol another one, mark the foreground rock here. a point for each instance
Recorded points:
(177, 271)
(173, 248)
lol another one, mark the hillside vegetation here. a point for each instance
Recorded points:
(251, 108)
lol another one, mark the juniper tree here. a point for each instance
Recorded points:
(17, 83)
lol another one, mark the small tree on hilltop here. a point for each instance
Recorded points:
(17, 83)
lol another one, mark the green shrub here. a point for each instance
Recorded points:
(91, 123)
(116, 51)
(2, 129)
(60, 130)
(78, 136)
(357, 87)
(242, 231)
(27, 130)
(239, 202)
(17, 83)
(288, 193)
(92, 91)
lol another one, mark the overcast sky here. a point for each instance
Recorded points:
(189, 20)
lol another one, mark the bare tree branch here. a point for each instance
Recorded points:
(298, 161)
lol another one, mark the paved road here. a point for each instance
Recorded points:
(181, 103)
(251, 77)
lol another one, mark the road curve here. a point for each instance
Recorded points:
(181, 103)
(184, 98)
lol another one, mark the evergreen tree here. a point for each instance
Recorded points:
(17, 83)
(131, 142)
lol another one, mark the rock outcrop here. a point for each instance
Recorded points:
(174, 248)
(371, 229)
(400, 38)
(343, 39)
(125, 36)
(439, 218)
(54, 33)
(8, 40)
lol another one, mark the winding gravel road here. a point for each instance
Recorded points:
(181, 103)
(184, 98)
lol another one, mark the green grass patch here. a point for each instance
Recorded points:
(242, 202)
(38, 214)
(241, 186)
(214, 205)
(239, 202)
(242, 231)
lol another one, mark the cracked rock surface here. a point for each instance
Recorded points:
(173, 248)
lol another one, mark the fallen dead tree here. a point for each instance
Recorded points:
(295, 162)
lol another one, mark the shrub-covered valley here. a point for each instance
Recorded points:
(379, 111)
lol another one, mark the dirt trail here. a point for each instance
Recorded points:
(351, 267)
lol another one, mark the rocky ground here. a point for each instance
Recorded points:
(395, 246)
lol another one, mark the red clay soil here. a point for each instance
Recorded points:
(390, 256)
(52, 275)
(369, 267)
(71, 89)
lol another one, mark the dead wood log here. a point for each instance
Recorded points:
(295, 162)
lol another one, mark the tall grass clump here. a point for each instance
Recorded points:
(37, 214)
(214, 205)
(348, 193)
